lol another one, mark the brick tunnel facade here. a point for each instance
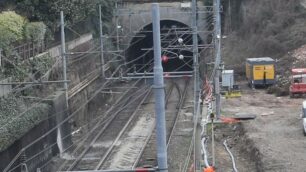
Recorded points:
(176, 35)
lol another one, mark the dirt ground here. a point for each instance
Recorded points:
(276, 132)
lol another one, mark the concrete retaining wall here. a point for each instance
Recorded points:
(42, 151)
(56, 51)
(46, 148)
(5, 89)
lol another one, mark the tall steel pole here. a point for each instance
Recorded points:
(196, 78)
(218, 56)
(159, 93)
(117, 25)
(64, 57)
(195, 53)
(101, 42)
(0, 57)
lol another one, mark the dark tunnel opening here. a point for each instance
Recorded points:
(176, 42)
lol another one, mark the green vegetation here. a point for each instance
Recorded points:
(14, 123)
(36, 66)
(75, 12)
(35, 32)
(263, 28)
(13, 24)
(11, 29)
(82, 16)
(37, 21)
(14, 29)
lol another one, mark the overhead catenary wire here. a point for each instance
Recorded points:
(93, 128)
(18, 88)
(22, 113)
(54, 128)
(120, 103)
(32, 106)
(130, 62)
(102, 117)
(31, 76)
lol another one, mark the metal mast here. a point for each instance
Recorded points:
(64, 57)
(101, 42)
(159, 93)
(195, 53)
(217, 68)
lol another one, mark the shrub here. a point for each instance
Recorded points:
(13, 125)
(36, 66)
(35, 32)
(11, 28)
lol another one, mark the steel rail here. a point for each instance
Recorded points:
(179, 108)
(168, 93)
(144, 146)
(85, 137)
(101, 162)
(75, 163)
(117, 104)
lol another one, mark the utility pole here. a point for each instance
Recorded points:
(0, 57)
(218, 56)
(195, 54)
(101, 42)
(196, 80)
(230, 16)
(117, 25)
(159, 93)
(64, 57)
(213, 143)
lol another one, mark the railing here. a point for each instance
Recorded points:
(28, 50)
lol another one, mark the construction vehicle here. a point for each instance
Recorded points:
(260, 71)
(298, 82)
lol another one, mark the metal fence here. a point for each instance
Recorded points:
(28, 50)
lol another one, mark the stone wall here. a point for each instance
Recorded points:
(45, 146)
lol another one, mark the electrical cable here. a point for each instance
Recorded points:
(134, 59)
(231, 155)
(54, 128)
(67, 136)
(102, 117)
(28, 109)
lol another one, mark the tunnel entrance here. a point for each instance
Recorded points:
(176, 42)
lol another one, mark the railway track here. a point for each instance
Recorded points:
(174, 104)
(130, 119)
(131, 142)
(116, 116)
(126, 138)
(135, 141)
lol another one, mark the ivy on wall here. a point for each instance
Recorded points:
(15, 121)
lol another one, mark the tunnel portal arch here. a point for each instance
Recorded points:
(176, 42)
